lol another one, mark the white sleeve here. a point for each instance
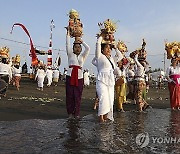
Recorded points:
(136, 61)
(94, 61)
(118, 56)
(86, 51)
(68, 47)
(37, 73)
(10, 73)
(98, 47)
(167, 74)
(126, 66)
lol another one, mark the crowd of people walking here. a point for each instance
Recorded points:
(118, 77)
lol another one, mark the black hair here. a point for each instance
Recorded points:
(4, 60)
(16, 66)
(142, 62)
(103, 46)
(77, 43)
(173, 59)
(41, 67)
(74, 46)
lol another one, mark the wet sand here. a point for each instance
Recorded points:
(30, 103)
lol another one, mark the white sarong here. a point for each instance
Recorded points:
(106, 99)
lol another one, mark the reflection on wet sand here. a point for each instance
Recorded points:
(87, 135)
(173, 132)
(72, 142)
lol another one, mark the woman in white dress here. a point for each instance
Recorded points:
(105, 80)
(40, 75)
(86, 78)
(49, 75)
(130, 79)
(55, 76)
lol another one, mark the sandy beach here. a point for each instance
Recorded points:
(30, 103)
(36, 121)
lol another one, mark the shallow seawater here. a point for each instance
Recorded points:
(153, 131)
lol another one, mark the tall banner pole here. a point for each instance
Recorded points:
(49, 58)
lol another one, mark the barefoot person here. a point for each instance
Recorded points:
(173, 76)
(120, 72)
(130, 80)
(74, 77)
(121, 84)
(105, 80)
(106, 64)
(140, 85)
(96, 100)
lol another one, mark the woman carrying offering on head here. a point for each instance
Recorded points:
(74, 77)
(173, 77)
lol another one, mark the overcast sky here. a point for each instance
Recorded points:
(154, 20)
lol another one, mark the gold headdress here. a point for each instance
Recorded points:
(75, 26)
(121, 46)
(173, 49)
(13, 60)
(4, 52)
(17, 58)
(109, 26)
(142, 54)
(107, 30)
(73, 14)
